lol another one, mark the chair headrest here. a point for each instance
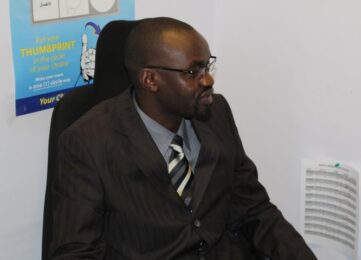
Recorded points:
(110, 75)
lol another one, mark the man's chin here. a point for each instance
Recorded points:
(204, 114)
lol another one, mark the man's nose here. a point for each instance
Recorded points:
(207, 80)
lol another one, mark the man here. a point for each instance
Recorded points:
(159, 172)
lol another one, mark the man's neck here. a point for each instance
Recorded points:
(168, 121)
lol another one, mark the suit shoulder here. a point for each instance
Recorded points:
(220, 105)
(95, 121)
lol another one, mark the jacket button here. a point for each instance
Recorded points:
(197, 223)
(187, 200)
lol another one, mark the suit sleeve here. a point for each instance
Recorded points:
(78, 204)
(252, 213)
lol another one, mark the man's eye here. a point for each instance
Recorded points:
(193, 72)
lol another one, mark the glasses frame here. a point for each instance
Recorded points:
(196, 73)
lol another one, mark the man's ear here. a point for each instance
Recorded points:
(148, 80)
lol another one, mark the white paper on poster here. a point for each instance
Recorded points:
(70, 8)
(45, 10)
(329, 215)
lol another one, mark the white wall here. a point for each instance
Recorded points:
(292, 73)
(23, 140)
(23, 151)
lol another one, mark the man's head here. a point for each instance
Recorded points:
(167, 61)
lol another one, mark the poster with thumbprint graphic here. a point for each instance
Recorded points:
(54, 46)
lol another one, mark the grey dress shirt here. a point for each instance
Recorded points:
(163, 137)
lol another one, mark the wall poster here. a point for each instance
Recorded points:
(54, 46)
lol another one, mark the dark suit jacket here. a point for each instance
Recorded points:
(114, 200)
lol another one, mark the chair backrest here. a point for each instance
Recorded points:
(110, 80)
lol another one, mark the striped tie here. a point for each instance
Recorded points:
(180, 171)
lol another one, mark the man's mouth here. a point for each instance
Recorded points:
(206, 97)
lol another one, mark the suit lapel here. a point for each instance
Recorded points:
(207, 160)
(142, 147)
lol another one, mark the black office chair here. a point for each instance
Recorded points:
(110, 80)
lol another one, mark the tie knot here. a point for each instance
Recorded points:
(177, 140)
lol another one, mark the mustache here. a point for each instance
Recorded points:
(206, 92)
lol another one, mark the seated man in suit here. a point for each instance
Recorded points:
(159, 172)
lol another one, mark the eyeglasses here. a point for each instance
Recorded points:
(195, 73)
